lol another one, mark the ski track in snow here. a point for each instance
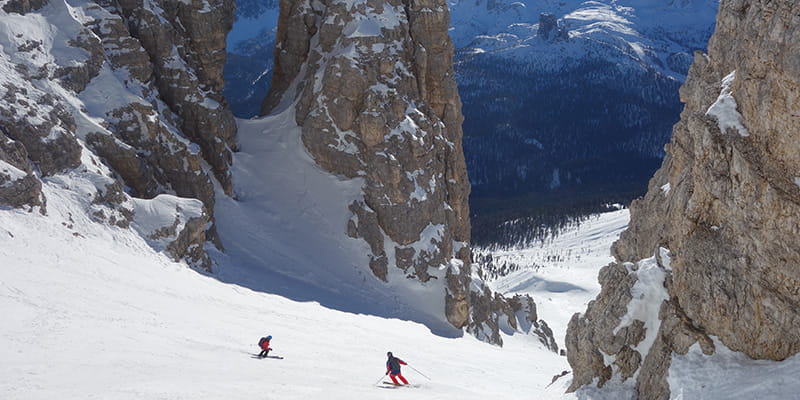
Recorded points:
(93, 312)
(102, 315)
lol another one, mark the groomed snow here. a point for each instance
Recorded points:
(91, 311)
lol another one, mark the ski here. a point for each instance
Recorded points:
(392, 385)
(273, 357)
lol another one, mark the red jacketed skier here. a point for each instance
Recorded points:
(393, 368)
(264, 344)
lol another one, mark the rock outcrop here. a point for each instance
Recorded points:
(726, 203)
(550, 28)
(125, 94)
(372, 86)
(18, 185)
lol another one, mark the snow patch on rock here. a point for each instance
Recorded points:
(11, 173)
(648, 293)
(724, 109)
(162, 219)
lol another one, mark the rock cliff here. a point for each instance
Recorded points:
(711, 245)
(123, 94)
(372, 86)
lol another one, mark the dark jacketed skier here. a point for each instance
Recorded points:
(393, 368)
(263, 343)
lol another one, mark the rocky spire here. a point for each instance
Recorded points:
(721, 215)
(550, 28)
(373, 89)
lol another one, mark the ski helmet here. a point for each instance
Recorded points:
(269, 337)
(389, 354)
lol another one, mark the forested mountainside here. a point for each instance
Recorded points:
(568, 103)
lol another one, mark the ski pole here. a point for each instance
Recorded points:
(426, 377)
(382, 378)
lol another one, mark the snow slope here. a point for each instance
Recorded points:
(285, 233)
(561, 273)
(91, 311)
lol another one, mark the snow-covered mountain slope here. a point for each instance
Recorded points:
(561, 273)
(284, 232)
(92, 311)
(659, 34)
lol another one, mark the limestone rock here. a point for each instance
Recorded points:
(185, 42)
(175, 225)
(23, 6)
(373, 90)
(18, 185)
(525, 309)
(725, 202)
(39, 122)
(125, 97)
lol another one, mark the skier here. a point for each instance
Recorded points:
(393, 368)
(264, 344)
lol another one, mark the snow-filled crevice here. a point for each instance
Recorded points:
(724, 108)
(648, 293)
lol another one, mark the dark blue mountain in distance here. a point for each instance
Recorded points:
(248, 70)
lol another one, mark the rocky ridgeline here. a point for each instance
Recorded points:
(726, 203)
(372, 86)
(119, 94)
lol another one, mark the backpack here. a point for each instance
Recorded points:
(261, 341)
(394, 364)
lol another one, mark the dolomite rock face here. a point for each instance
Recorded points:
(123, 94)
(178, 50)
(373, 89)
(726, 203)
(18, 185)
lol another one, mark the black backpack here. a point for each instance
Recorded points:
(261, 341)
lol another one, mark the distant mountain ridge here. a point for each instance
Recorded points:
(568, 103)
